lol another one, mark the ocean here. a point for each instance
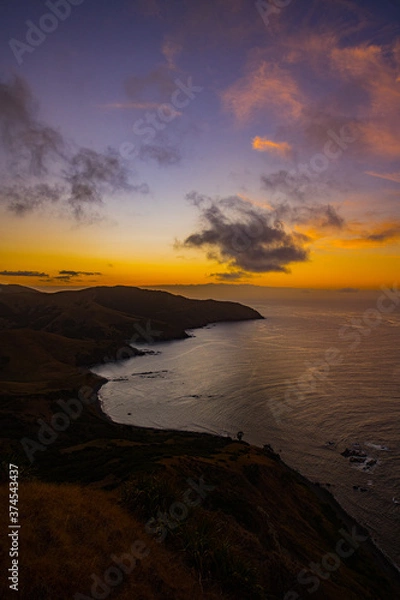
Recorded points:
(319, 375)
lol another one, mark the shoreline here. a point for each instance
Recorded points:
(383, 560)
(290, 519)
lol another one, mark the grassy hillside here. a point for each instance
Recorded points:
(96, 487)
(47, 340)
(257, 527)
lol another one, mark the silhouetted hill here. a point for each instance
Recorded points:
(47, 339)
(253, 536)
(14, 288)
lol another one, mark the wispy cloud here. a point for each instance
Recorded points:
(230, 276)
(389, 176)
(91, 174)
(265, 85)
(77, 273)
(29, 144)
(363, 236)
(22, 199)
(171, 49)
(163, 155)
(74, 276)
(23, 274)
(265, 145)
(80, 177)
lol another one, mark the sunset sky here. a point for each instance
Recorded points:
(151, 142)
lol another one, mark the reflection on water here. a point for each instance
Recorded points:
(229, 376)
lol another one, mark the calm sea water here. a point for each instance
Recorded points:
(235, 376)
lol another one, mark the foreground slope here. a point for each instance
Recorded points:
(216, 518)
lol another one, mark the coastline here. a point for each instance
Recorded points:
(383, 560)
(273, 503)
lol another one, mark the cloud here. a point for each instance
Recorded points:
(265, 85)
(171, 49)
(231, 276)
(23, 274)
(78, 273)
(61, 278)
(91, 174)
(141, 188)
(80, 177)
(70, 275)
(385, 235)
(366, 76)
(381, 137)
(389, 176)
(319, 215)
(21, 199)
(244, 237)
(379, 235)
(297, 185)
(26, 140)
(265, 145)
(357, 81)
(163, 155)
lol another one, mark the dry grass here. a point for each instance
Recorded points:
(70, 532)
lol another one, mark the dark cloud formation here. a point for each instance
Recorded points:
(383, 236)
(70, 275)
(297, 185)
(301, 189)
(21, 199)
(319, 215)
(330, 217)
(91, 174)
(27, 141)
(23, 274)
(232, 276)
(163, 155)
(63, 275)
(78, 273)
(34, 149)
(244, 237)
(292, 184)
